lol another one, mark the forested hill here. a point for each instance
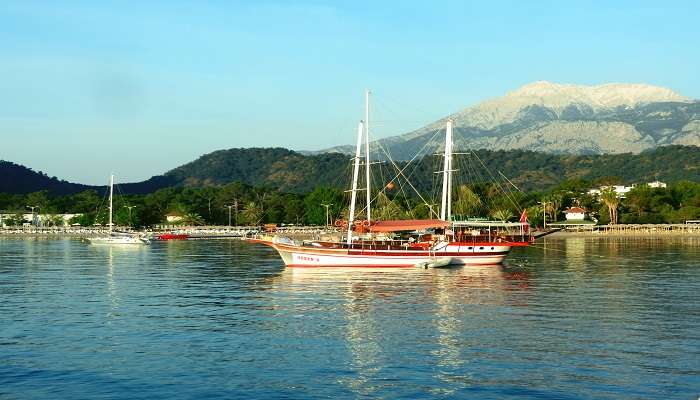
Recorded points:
(18, 179)
(290, 171)
(534, 170)
(275, 167)
(15, 178)
(293, 172)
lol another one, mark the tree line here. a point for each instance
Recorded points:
(241, 204)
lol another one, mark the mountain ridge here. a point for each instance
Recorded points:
(609, 95)
(545, 116)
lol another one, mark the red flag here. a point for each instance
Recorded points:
(523, 220)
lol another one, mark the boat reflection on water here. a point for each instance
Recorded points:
(369, 302)
(112, 288)
(463, 285)
(118, 262)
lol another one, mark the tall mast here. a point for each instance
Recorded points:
(355, 174)
(446, 208)
(111, 192)
(449, 173)
(367, 170)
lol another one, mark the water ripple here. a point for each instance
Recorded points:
(575, 318)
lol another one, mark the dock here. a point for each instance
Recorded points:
(688, 229)
(318, 232)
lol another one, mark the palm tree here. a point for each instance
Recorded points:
(467, 203)
(609, 197)
(502, 215)
(534, 215)
(387, 209)
(192, 219)
(253, 213)
(554, 203)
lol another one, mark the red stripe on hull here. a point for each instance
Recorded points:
(427, 254)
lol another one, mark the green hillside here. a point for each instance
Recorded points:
(290, 171)
(278, 168)
(282, 186)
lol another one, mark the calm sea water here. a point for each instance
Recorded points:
(573, 318)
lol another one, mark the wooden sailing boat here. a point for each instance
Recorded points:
(434, 243)
(117, 238)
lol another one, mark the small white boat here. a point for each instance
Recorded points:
(437, 263)
(117, 238)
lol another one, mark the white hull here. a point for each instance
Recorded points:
(303, 260)
(116, 240)
(450, 255)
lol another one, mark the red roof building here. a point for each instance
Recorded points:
(575, 214)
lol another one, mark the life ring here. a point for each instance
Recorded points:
(366, 223)
(339, 222)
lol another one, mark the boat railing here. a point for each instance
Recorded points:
(393, 244)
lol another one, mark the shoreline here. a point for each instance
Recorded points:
(614, 231)
(630, 234)
(631, 230)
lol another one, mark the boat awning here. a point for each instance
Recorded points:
(407, 225)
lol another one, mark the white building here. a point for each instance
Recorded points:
(575, 214)
(620, 190)
(657, 184)
(174, 218)
(38, 219)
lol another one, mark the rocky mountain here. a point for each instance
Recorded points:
(559, 118)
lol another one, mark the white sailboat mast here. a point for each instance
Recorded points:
(367, 164)
(355, 174)
(446, 207)
(449, 173)
(111, 193)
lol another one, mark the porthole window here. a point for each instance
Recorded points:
(481, 248)
(491, 247)
(471, 248)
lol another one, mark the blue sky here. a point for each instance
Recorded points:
(138, 88)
